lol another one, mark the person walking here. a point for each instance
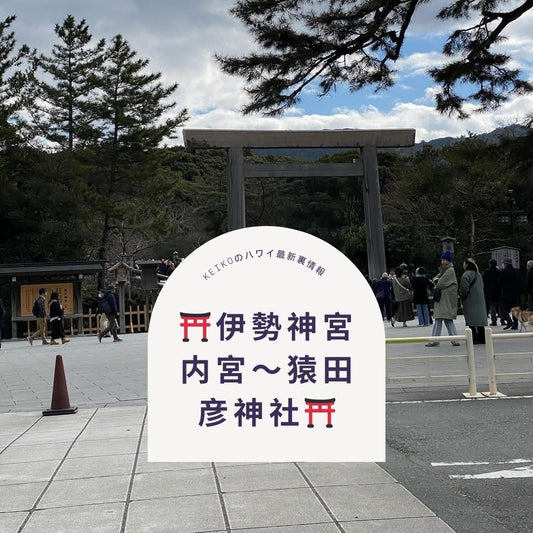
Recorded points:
(421, 288)
(510, 293)
(39, 312)
(529, 284)
(109, 307)
(471, 291)
(445, 310)
(383, 291)
(101, 319)
(492, 286)
(403, 295)
(56, 320)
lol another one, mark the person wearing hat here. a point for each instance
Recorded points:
(445, 309)
(510, 293)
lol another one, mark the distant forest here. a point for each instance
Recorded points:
(480, 194)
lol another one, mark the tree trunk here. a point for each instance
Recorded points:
(472, 234)
(102, 252)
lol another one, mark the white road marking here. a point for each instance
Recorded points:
(521, 472)
(474, 463)
(453, 400)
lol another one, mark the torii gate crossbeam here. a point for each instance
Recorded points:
(235, 141)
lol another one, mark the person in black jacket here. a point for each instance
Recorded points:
(108, 305)
(383, 291)
(510, 293)
(101, 319)
(421, 289)
(56, 319)
(492, 286)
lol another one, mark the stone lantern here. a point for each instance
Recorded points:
(122, 276)
(448, 244)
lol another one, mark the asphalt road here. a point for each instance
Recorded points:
(493, 491)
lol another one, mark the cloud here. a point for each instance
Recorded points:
(418, 63)
(429, 124)
(181, 38)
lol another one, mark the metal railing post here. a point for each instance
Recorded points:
(471, 361)
(489, 346)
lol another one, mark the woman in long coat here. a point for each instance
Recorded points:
(445, 310)
(403, 295)
(56, 319)
(471, 291)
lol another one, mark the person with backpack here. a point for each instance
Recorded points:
(108, 305)
(39, 312)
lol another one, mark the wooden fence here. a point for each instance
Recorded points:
(137, 320)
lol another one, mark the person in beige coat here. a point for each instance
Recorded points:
(403, 295)
(445, 310)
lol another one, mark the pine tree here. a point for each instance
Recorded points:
(15, 71)
(328, 42)
(63, 112)
(130, 187)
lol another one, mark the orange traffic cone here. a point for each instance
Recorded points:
(60, 401)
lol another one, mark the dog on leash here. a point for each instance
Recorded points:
(524, 317)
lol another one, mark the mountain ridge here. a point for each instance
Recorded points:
(313, 154)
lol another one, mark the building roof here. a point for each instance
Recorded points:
(51, 269)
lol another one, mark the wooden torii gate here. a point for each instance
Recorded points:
(368, 141)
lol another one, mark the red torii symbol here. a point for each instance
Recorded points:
(319, 406)
(195, 320)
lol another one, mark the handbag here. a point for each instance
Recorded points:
(437, 294)
(409, 291)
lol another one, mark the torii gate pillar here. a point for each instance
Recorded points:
(367, 140)
(236, 202)
(375, 243)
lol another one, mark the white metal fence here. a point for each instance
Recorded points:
(493, 358)
(429, 361)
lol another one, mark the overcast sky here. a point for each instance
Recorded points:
(180, 37)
